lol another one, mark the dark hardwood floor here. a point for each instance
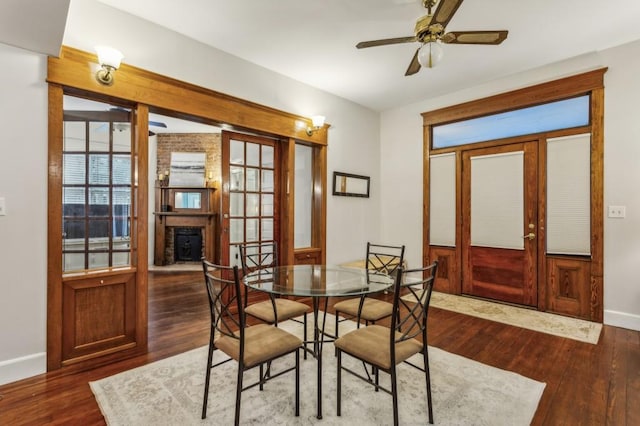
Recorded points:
(586, 384)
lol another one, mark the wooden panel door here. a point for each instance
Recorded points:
(250, 194)
(97, 248)
(499, 217)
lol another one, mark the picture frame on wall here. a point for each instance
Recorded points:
(350, 185)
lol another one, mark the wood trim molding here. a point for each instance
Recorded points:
(76, 69)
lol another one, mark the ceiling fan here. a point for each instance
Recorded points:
(430, 31)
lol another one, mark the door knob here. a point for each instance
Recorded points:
(530, 236)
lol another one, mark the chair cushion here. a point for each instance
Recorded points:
(372, 310)
(262, 342)
(371, 344)
(286, 308)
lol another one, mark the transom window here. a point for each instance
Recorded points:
(563, 114)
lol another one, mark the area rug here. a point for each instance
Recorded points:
(169, 392)
(558, 325)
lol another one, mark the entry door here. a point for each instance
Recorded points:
(500, 223)
(249, 196)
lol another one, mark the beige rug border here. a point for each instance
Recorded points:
(544, 322)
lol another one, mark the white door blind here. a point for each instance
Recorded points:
(497, 200)
(569, 195)
(442, 200)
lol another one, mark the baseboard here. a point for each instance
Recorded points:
(622, 319)
(15, 369)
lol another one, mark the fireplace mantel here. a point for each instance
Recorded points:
(203, 216)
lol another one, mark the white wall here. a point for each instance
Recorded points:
(353, 147)
(401, 149)
(23, 231)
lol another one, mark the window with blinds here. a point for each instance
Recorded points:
(442, 200)
(569, 195)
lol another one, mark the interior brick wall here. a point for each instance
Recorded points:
(210, 143)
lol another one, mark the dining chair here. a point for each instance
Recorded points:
(383, 348)
(380, 258)
(251, 346)
(264, 255)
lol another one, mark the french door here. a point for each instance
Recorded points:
(499, 223)
(249, 194)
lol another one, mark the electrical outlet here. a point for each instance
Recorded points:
(3, 207)
(617, 211)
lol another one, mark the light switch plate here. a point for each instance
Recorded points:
(617, 211)
(3, 207)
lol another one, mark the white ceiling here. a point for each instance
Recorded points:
(313, 41)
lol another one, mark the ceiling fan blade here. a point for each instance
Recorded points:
(383, 42)
(444, 12)
(414, 66)
(475, 37)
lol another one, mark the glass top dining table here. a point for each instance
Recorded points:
(319, 282)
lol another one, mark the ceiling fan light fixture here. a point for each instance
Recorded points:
(430, 54)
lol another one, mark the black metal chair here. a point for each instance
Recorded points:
(248, 346)
(385, 347)
(380, 258)
(263, 255)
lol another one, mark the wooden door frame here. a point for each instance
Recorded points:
(589, 83)
(530, 209)
(73, 72)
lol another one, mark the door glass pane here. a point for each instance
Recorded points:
(253, 179)
(253, 204)
(236, 230)
(267, 156)
(74, 136)
(122, 169)
(267, 181)
(236, 177)
(497, 200)
(236, 204)
(73, 202)
(267, 229)
(253, 154)
(98, 202)
(252, 230)
(267, 204)
(121, 137)
(121, 258)
(73, 166)
(72, 261)
(98, 234)
(98, 260)
(237, 152)
(303, 196)
(73, 234)
(99, 170)
(99, 136)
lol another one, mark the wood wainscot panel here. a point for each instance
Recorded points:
(569, 286)
(447, 280)
(308, 256)
(98, 315)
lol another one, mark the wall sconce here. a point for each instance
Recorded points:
(109, 59)
(317, 121)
